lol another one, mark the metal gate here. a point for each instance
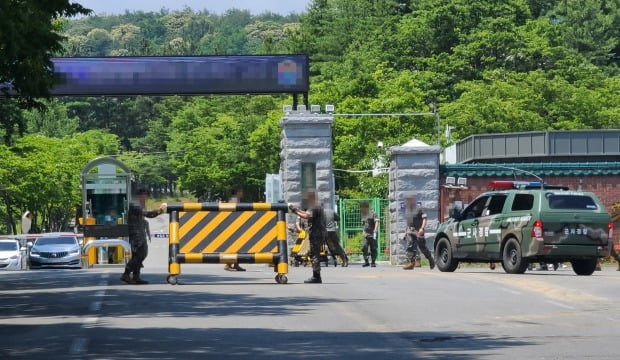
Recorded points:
(352, 230)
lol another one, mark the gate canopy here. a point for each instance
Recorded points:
(180, 75)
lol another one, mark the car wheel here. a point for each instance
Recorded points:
(443, 256)
(584, 267)
(512, 258)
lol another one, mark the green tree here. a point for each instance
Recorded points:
(97, 43)
(126, 36)
(29, 36)
(48, 171)
(52, 121)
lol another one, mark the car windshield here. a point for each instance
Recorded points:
(8, 246)
(56, 241)
(571, 202)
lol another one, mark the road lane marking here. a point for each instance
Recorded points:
(558, 304)
(78, 346)
(95, 306)
(514, 292)
(90, 320)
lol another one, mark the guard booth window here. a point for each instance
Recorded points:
(523, 202)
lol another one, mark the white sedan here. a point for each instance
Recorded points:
(10, 255)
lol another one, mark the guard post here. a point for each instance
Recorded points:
(227, 233)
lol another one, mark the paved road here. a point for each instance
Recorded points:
(358, 313)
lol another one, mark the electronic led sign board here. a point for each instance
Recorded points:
(179, 75)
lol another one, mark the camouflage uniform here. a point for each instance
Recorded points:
(318, 232)
(333, 242)
(414, 223)
(138, 236)
(370, 241)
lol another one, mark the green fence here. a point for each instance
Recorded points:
(352, 230)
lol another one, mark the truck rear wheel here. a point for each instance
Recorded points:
(512, 257)
(584, 267)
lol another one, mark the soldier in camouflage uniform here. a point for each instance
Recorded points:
(137, 235)
(416, 222)
(333, 241)
(318, 232)
(370, 221)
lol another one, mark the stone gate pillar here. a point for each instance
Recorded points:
(414, 172)
(306, 164)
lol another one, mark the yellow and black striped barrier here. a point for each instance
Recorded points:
(226, 233)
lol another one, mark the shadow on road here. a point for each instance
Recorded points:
(47, 279)
(527, 273)
(259, 343)
(43, 317)
(61, 299)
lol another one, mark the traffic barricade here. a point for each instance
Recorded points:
(227, 233)
(100, 243)
(105, 236)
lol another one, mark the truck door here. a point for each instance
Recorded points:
(492, 223)
(468, 228)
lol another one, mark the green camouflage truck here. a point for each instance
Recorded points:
(521, 222)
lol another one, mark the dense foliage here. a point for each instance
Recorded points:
(487, 65)
(484, 65)
(28, 38)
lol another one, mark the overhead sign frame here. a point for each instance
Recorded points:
(180, 75)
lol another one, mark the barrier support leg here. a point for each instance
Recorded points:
(174, 268)
(281, 265)
(92, 252)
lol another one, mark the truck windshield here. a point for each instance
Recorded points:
(571, 202)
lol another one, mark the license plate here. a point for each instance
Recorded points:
(575, 231)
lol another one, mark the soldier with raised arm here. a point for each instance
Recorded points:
(318, 231)
(137, 235)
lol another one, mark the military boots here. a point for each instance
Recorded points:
(137, 280)
(315, 279)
